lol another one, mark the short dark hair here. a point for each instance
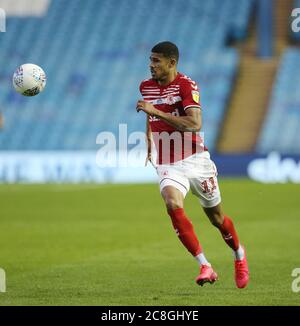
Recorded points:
(167, 49)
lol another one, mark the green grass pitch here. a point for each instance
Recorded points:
(114, 245)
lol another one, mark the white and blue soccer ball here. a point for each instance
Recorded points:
(29, 79)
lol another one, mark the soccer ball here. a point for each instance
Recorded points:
(29, 79)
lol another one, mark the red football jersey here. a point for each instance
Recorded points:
(182, 93)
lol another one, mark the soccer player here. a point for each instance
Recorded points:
(171, 102)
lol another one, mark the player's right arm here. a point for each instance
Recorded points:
(191, 122)
(148, 140)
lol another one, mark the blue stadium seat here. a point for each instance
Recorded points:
(281, 127)
(96, 53)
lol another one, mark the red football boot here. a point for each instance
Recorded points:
(241, 272)
(207, 274)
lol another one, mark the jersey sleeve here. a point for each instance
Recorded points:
(144, 83)
(190, 94)
(141, 87)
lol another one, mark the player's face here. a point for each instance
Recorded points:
(160, 66)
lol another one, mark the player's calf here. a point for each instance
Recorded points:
(185, 231)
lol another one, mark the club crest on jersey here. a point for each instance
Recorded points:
(195, 95)
(170, 100)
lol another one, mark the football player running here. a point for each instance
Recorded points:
(171, 102)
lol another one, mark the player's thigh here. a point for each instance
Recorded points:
(205, 185)
(172, 182)
(207, 190)
(173, 198)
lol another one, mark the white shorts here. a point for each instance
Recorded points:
(197, 172)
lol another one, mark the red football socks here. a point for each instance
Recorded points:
(229, 234)
(185, 231)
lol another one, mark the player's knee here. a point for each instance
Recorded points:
(172, 204)
(215, 216)
(217, 219)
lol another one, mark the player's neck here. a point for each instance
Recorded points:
(168, 80)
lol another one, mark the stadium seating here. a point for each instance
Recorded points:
(95, 54)
(280, 131)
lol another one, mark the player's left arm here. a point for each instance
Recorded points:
(192, 122)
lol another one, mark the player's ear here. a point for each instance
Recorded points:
(172, 62)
